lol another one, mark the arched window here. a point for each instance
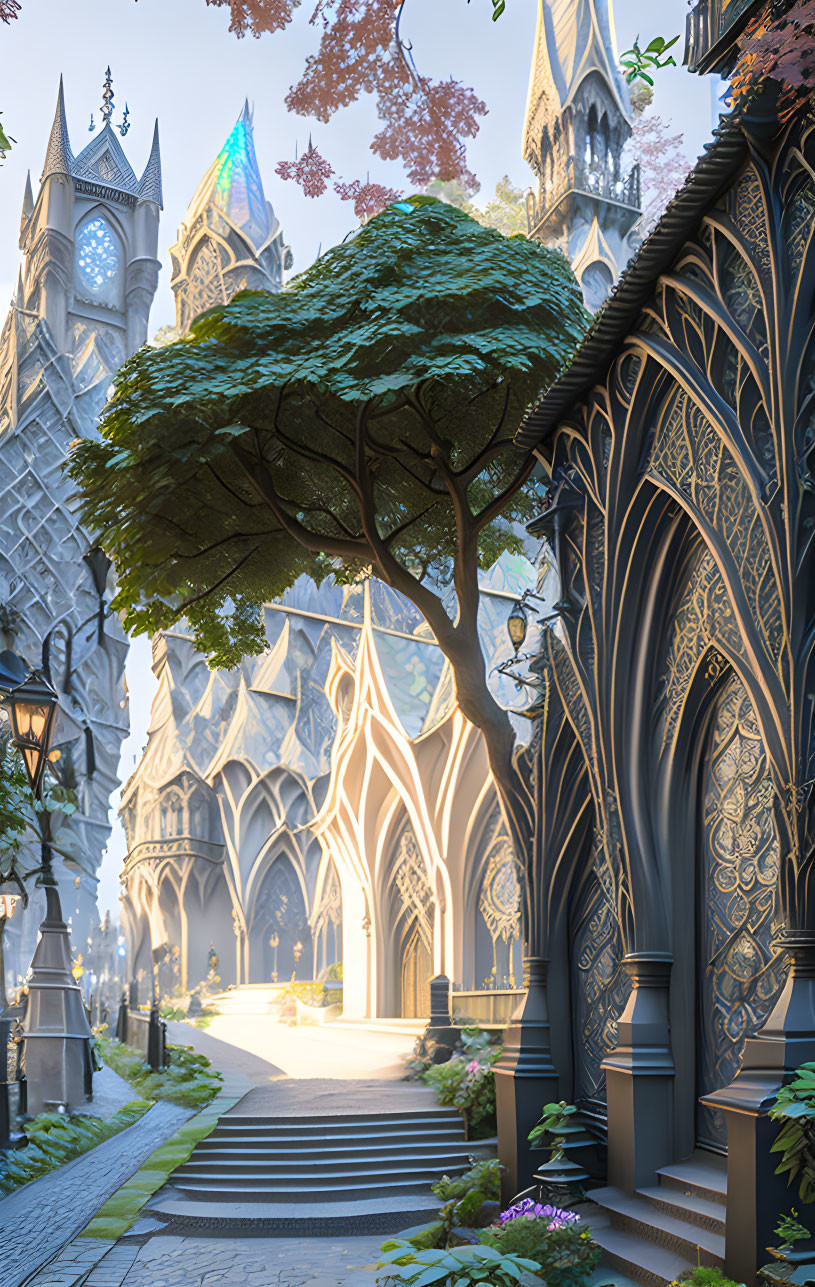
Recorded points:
(98, 261)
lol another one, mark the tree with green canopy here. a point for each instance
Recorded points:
(362, 420)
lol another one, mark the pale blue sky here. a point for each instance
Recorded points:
(174, 59)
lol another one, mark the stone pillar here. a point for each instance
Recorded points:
(639, 1077)
(756, 1196)
(525, 1079)
(56, 1025)
(440, 1028)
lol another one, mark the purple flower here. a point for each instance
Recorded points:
(557, 1219)
(474, 1066)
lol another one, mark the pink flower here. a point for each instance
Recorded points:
(474, 1067)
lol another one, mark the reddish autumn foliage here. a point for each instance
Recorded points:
(368, 198)
(424, 122)
(8, 10)
(311, 171)
(783, 50)
(663, 164)
(256, 16)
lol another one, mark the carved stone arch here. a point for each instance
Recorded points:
(406, 913)
(279, 910)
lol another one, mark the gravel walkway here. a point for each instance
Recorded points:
(38, 1219)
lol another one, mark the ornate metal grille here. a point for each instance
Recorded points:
(740, 973)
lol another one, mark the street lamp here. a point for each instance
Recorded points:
(517, 625)
(57, 1035)
(274, 943)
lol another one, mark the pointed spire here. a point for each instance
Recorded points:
(150, 181)
(59, 157)
(28, 203)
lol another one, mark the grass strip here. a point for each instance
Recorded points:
(119, 1212)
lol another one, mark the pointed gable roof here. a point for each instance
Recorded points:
(232, 185)
(573, 39)
(150, 181)
(104, 161)
(59, 158)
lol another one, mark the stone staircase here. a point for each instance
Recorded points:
(287, 1170)
(662, 1230)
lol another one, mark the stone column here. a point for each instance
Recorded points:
(756, 1196)
(639, 1077)
(525, 1079)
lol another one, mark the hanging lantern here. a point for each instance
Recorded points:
(517, 624)
(32, 706)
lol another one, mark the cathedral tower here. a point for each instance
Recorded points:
(87, 280)
(578, 118)
(230, 239)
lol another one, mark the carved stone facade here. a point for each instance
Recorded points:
(81, 307)
(327, 792)
(681, 507)
(578, 119)
(230, 239)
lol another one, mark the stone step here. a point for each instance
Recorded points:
(384, 1156)
(639, 1217)
(198, 1214)
(355, 1185)
(346, 1121)
(274, 1163)
(649, 1265)
(702, 1176)
(686, 1206)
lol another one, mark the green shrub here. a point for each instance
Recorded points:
(458, 1265)
(467, 1082)
(566, 1257)
(190, 1080)
(54, 1139)
(462, 1198)
(704, 1276)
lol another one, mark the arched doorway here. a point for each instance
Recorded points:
(407, 920)
(417, 968)
(278, 923)
(739, 976)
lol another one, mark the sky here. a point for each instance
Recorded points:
(175, 60)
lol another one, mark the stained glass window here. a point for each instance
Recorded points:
(98, 261)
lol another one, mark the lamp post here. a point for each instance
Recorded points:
(274, 943)
(298, 952)
(57, 1034)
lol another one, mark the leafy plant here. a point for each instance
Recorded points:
(789, 1229)
(54, 1139)
(794, 1107)
(467, 1081)
(190, 1079)
(704, 1276)
(458, 1265)
(554, 1117)
(565, 1253)
(637, 62)
(463, 1198)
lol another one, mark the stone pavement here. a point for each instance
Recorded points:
(38, 1219)
(168, 1261)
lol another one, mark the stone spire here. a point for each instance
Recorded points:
(230, 239)
(150, 181)
(59, 157)
(578, 118)
(28, 203)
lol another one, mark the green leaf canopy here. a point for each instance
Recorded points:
(363, 417)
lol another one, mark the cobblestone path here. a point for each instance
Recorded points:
(40, 1218)
(169, 1261)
